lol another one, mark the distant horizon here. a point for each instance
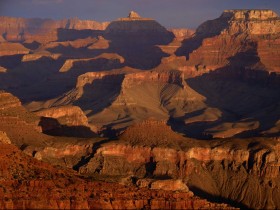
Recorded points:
(171, 14)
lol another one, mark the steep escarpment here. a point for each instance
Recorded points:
(235, 21)
(237, 41)
(136, 39)
(242, 173)
(134, 24)
(28, 183)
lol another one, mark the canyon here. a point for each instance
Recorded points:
(130, 115)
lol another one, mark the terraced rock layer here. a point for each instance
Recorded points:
(26, 183)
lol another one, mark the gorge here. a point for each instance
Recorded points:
(130, 115)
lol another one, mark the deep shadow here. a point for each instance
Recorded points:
(10, 61)
(101, 93)
(216, 199)
(84, 160)
(193, 130)
(240, 91)
(73, 34)
(108, 130)
(30, 79)
(51, 126)
(40, 80)
(137, 42)
(150, 167)
(32, 45)
(207, 29)
(233, 101)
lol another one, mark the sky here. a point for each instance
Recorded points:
(170, 13)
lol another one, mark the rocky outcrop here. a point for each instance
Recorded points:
(67, 154)
(171, 77)
(182, 33)
(133, 15)
(76, 43)
(2, 69)
(8, 101)
(65, 121)
(4, 139)
(100, 43)
(67, 115)
(150, 133)
(7, 48)
(172, 185)
(241, 173)
(89, 63)
(37, 56)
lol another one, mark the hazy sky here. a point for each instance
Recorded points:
(170, 13)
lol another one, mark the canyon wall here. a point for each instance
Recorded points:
(249, 177)
(43, 30)
(237, 40)
(26, 183)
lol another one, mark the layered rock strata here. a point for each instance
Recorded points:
(28, 183)
(249, 177)
(42, 30)
(239, 40)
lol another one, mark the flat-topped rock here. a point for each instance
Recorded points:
(250, 14)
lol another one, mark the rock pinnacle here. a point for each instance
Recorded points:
(133, 14)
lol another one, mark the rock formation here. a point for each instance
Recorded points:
(148, 92)
(43, 30)
(182, 33)
(2, 69)
(29, 183)
(7, 48)
(65, 121)
(133, 15)
(157, 133)
(236, 33)
(138, 26)
(247, 174)
(4, 139)
(160, 91)
(88, 63)
(20, 125)
(172, 185)
(68, 115)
